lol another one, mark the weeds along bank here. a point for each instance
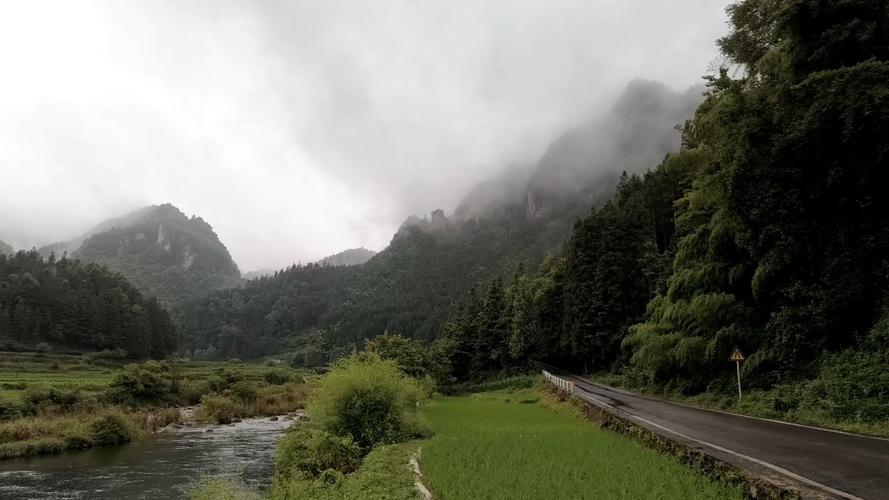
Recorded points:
(364, 414)
(50, 404)
(365, 417)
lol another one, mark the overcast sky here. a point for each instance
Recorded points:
(300, 128)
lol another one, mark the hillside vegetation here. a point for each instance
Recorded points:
(164, 253)
(766, 231)
(415, 284)
(67, 304)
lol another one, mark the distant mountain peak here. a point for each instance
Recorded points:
(161, 250)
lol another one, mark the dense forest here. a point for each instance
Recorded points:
(49, 303)
(417, 283)
(767, 231)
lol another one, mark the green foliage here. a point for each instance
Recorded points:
(244, 391)
(492, 446)
(219, 409)
(277, 377)
(311, 451)
(762, 264)
(164, 253)
(411, 356)
(46, 303)
(213, 488)
(139, 384)
(383, 474)
(52, 398)
(112, 429)
(10, 409)
(369, 399)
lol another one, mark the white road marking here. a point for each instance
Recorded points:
(774, 467)
(723, 412)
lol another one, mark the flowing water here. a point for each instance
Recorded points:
(162, 466)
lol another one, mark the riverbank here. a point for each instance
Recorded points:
(50, 404)
(162, 465)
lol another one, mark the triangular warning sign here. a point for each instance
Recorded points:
(737, 355)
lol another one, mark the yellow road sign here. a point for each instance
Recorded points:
(737, 356)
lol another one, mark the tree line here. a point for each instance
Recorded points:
(74, 306)
(767, 231)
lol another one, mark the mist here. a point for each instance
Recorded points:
(298, 129)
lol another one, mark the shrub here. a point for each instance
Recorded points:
(40, 398)
(140, 384)
(219, 409)
(224, 379)
(244, 391)
(192, 392)
(369, 399)
(313, 451)
(43, 347)
(112, 429)
(9, 409)
(276, 377)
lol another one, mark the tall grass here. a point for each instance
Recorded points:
(486, 447)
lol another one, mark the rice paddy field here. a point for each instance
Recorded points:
(521, 445)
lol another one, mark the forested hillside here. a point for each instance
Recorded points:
(70, 305)
(161, 251)
(419, 280)
(767, 231)
(350, 257)
(5, 248)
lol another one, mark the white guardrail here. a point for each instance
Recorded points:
(559, 382)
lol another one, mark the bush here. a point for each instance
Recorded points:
(9, 409)
(369, 399)
(43, 347)
(40, 398)
(224, 379)
(140, 384)
(219, 409)
(110, 430)
(192, 392)
(276, 377)
(313, 451)
(244, 391)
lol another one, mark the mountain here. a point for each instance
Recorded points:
(416, 283)
(164, 253)
(5, 248)
(350, 257)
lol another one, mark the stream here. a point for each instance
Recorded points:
(162, 466)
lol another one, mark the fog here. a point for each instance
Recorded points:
(298, 129)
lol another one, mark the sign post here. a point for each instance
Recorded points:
(737, 357)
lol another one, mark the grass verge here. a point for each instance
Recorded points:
(384, 474)
(522, 444)
(789, 403)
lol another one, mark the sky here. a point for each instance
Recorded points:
(301, 128)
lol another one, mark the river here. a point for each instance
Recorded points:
(162, 466)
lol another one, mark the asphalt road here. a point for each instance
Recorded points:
(836, 464)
